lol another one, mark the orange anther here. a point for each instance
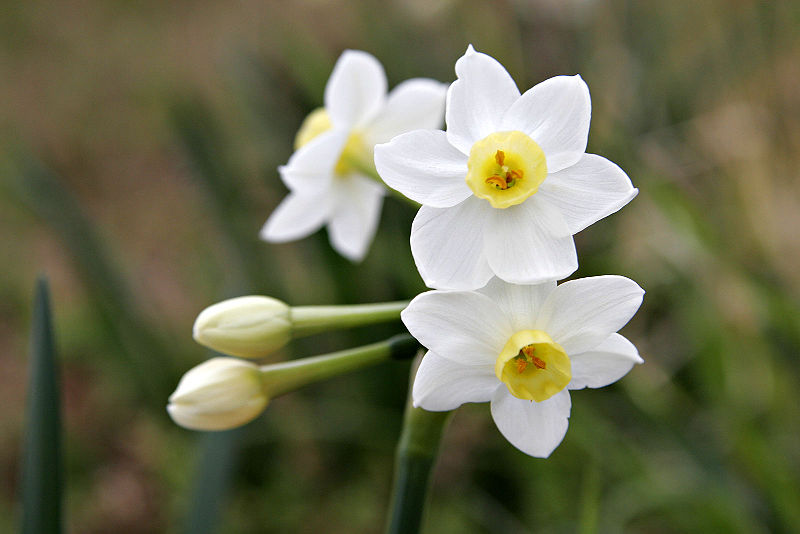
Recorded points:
(498, 182)
(500, 157)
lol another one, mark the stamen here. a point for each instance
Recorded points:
(500, 157)
(522, 364)
(514, 175)
(541, 364)
(498, 181)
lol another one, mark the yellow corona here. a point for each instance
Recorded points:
(506, 168)
(533, 366)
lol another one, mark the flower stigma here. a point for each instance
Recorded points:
(354, 153)
(533, 366)
(505, 168)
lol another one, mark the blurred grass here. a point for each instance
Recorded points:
(138, 164)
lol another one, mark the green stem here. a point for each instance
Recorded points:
(414, 459)
(308, 320)
(283, 377)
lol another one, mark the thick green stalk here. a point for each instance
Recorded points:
(308, 320)
(283, 377)
(415, 457)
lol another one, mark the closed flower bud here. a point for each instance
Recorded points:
(218, 394)
(255, 326)
(249, 327)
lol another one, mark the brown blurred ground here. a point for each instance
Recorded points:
(699, 103)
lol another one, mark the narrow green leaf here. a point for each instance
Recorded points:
(41, 468)
(217, 461)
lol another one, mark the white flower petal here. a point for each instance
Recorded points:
(520, 302)
(423, 166)
(447, 245)
(297, 216)
(556, 114)
(356, 89)
(412, 105)
(442, 384)
(311, 167)
(463, 326)
(580, 314)
(605, 364)
(529, 243)
(586, 192)
(478, 99)
(535, 428)
(355, 216)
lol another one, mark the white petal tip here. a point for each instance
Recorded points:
(268, 234)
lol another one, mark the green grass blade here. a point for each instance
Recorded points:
(41, 468)
(217, 461)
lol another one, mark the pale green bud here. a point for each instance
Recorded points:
(255, 326)
(249, 327)
(218, 394)
(224, 393)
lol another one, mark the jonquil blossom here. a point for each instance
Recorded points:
(523, 348)
(508, 184)
(329, 174)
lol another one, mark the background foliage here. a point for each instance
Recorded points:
(138, 152)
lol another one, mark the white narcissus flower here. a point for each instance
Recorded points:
(328, 175)
(506, 187)
(523, 348)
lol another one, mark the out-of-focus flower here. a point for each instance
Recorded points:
(522, 348)
(218, 394)
(255, 326)
(331, 176)
(506, 187)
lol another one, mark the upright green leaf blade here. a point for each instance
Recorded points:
(41, 468)
(218, 457)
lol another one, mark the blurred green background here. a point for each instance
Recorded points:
(138, 152)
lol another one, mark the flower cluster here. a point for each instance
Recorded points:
(502, 192)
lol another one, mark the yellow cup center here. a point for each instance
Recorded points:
(505, 168)
(533, 366)
(355, 154)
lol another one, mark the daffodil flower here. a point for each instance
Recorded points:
(331, 176)
(523, 348)
(508, 185)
